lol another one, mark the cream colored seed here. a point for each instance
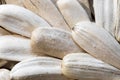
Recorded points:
(15, 48)
(85, 4)
(20, 20)
(97, 42)
(105, 14)
(53, 41)
(72, 11)
(39, 68)
(47, 10)
(82, 66)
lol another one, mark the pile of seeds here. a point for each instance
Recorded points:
(59, 40)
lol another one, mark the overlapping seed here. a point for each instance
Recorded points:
(15, 48)
(20, 20)
(47, 10)
(97, 42)
(85, 4)
(72, 11)
(59, 42)
(82, 66)
(105, 14)
(54, 42)
(40, 68)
